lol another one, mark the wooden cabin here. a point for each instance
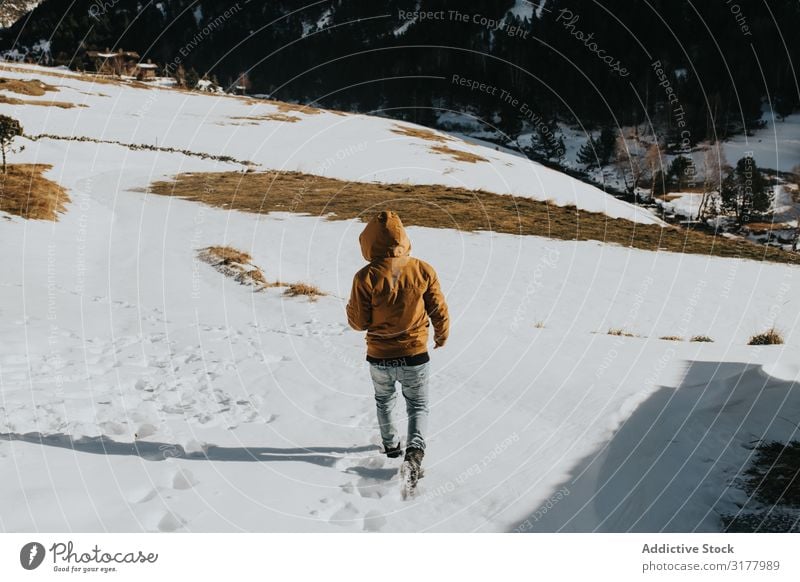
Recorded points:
(146, 71)
(119, 63)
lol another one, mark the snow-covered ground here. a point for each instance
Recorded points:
(142, 390)
(776, 146)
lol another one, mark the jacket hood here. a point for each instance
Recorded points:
(384, 237)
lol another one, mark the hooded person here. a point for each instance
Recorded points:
(395, 298)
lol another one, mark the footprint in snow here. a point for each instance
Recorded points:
(139, 498)
(345, 515)
(170, 522)
(374, 521)
(113, 428)
(183, 479)
(375, 479)
(145, 430)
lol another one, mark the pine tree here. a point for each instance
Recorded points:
(681, 170)
(588, 155)
(607, 145)
(192, 78)
(745, 191)
(547, 142)
(597, 152)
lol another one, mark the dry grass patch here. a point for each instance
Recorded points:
(33, 88)
(441, 148)
(618, 331)
(233, 263)
(770, 337)
(701, 338)
(292, 107)
(25, 192)
(458, 155)
(304, 290)
(421, 133)
(103, 79)
(228, 255)
(671, 338)
(238, 265)
(286, 112)
(446, 207)
(255, 119)
(767, 226)
(5, 99)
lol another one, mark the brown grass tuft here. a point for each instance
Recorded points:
(229, 255)
(304, 289)
(701, 338)
(15, 101)
(671, 338)
(770, 337)
(238, 265)
(445, 207)
(25, 192)
(621, 332)
(233, 263)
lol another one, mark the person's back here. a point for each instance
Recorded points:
(395, 298)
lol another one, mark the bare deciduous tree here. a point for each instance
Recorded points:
(654, 165)
(714, 166)
(628, 161)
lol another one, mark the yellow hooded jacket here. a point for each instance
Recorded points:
(395, 297)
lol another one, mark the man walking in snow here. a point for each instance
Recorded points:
(395, 298)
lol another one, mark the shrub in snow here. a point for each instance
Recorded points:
(774, 474)
(10, 128)
(770, 337)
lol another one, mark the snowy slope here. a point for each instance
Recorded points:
(346, 146)
(141, 390)
(12, 10)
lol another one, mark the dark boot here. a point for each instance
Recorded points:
(411, 471)
(393, 452)
(414, 456)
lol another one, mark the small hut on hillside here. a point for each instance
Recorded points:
(146, 71)
(119, 63)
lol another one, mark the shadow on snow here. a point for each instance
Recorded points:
(155, 451)
(675, 464)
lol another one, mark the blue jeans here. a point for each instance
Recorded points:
(414, 384)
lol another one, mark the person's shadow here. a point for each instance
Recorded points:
(156, 451)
